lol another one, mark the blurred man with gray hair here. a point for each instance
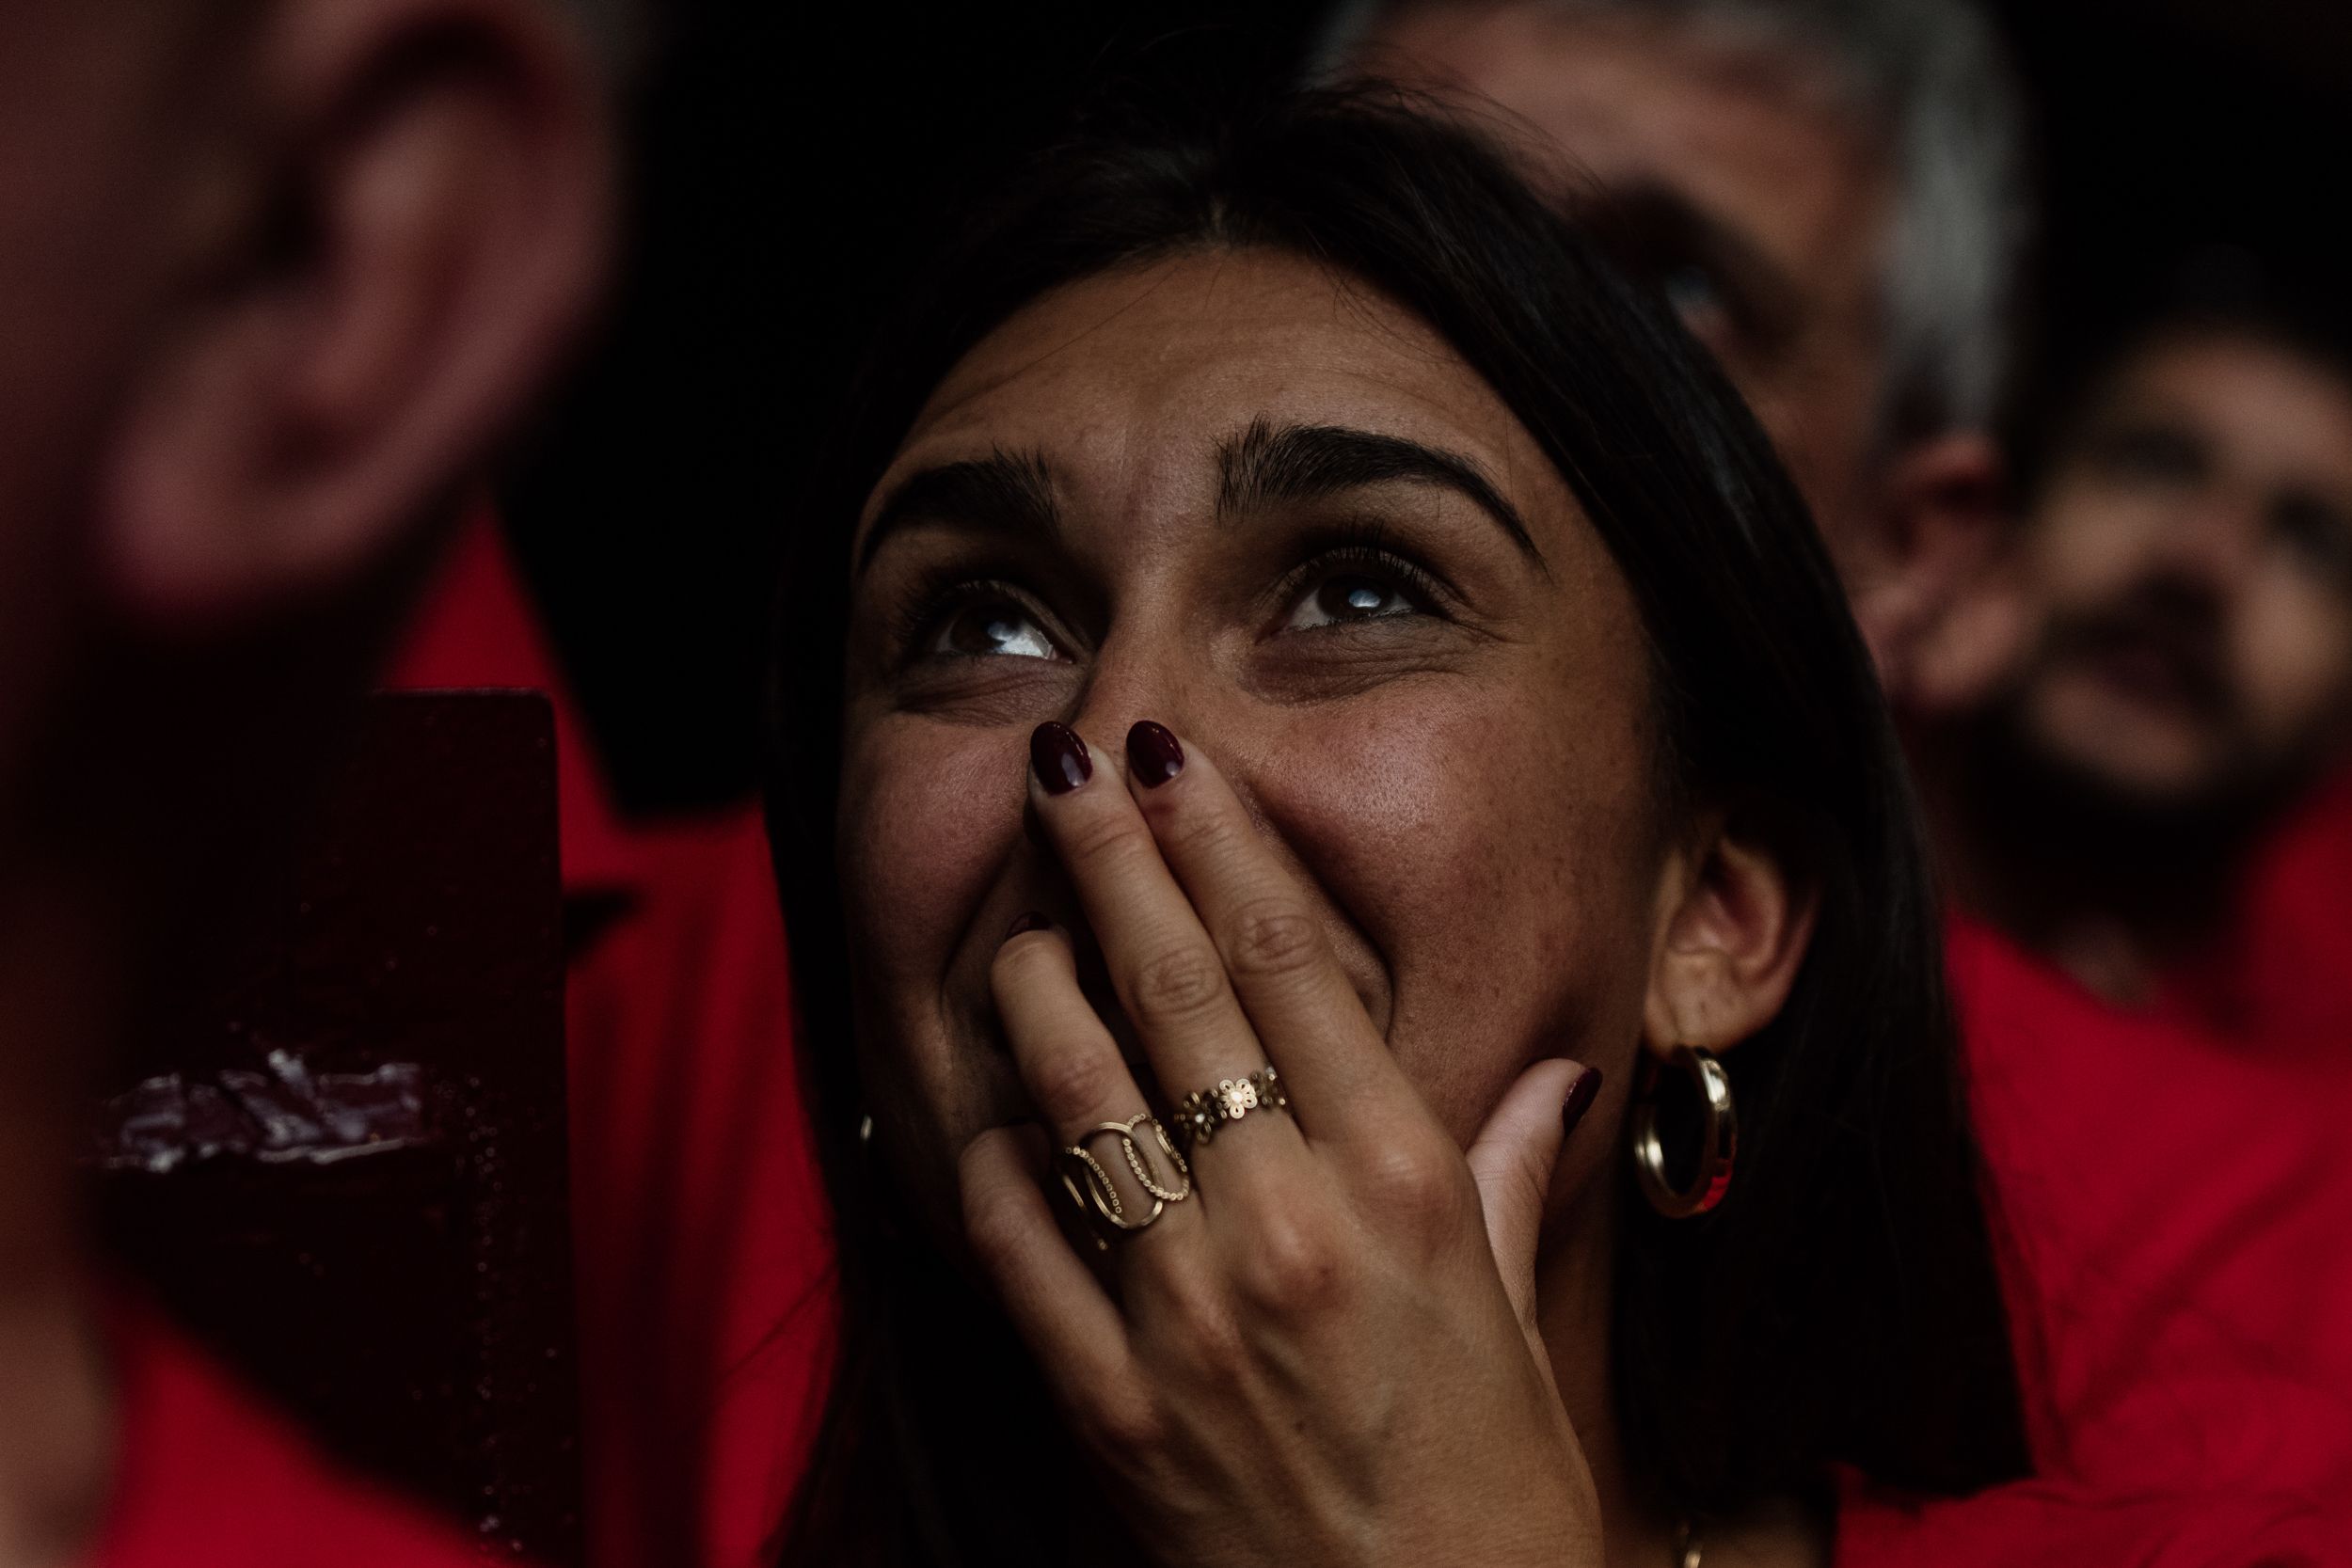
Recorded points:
(1828, 191)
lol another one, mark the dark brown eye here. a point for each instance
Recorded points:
(993, 628)
(2318, 535)
(1350, 596)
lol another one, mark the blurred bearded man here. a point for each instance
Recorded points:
(275, 276)
(2150, 833)
(2182, 591)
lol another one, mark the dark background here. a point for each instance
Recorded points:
(793, 160)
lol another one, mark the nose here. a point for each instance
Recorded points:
(2214, 537)
(1134, 679)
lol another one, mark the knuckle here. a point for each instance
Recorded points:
(1028, 957)
(1104, 837)
(995, 1225)
(1073, 1086)
(1274, 937)
(1201, 1334)
(1122, 1424)
(1415, 1185)
(1519, 1186)
(1200, 834)
(1177, 985)
(1290, 1268)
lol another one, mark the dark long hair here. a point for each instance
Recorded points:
(1842, 1305)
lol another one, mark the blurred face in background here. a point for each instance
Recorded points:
(1733, 177)
(83, 224)
(2188, 564)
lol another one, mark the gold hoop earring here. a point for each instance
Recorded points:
(1718, 1139)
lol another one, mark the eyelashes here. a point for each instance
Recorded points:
(935, 615)
(926, 607)
(1368, 564)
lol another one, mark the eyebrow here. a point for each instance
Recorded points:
(1004, 493)
(1268, 464)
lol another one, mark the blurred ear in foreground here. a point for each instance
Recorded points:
(419, 205)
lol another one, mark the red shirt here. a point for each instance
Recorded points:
(206, 1478)
(704, 1257)
(2044, 1523)
(2177, 1210)
(2279, 980)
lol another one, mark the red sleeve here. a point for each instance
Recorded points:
(703, 1250)
(2047, 1525)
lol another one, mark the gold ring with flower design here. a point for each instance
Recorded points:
(1201, 1112)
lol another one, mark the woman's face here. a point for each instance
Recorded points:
(1275, 512)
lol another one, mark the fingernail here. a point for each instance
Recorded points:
(1579, 1100)
(1059, 758)
(1153, 755)
(1033, 921)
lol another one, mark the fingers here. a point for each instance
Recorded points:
(1512, 1161)
(1270, 938)
(1170, 975)
(1074, 1072)
(1056, 1305)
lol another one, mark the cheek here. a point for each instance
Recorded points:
(1817, 412)
(1489, 861)
(2294, 658)
(928, 814)
(2088, 546)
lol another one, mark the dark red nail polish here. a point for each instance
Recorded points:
(1580, 1099)
(1059, 758)
(1153, 755)
(1033, 921)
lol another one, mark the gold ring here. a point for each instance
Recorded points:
(1096, 1195)
(1200, 1114)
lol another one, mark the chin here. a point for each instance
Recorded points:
(2156, 777)
(2151, 759)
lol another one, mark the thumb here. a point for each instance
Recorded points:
(1513, 1159)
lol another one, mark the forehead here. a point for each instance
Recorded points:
(1130, 379)
(1760, 136)
(2270, 404)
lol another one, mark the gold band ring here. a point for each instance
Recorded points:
(1096, 1196)
(1200, 1114)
